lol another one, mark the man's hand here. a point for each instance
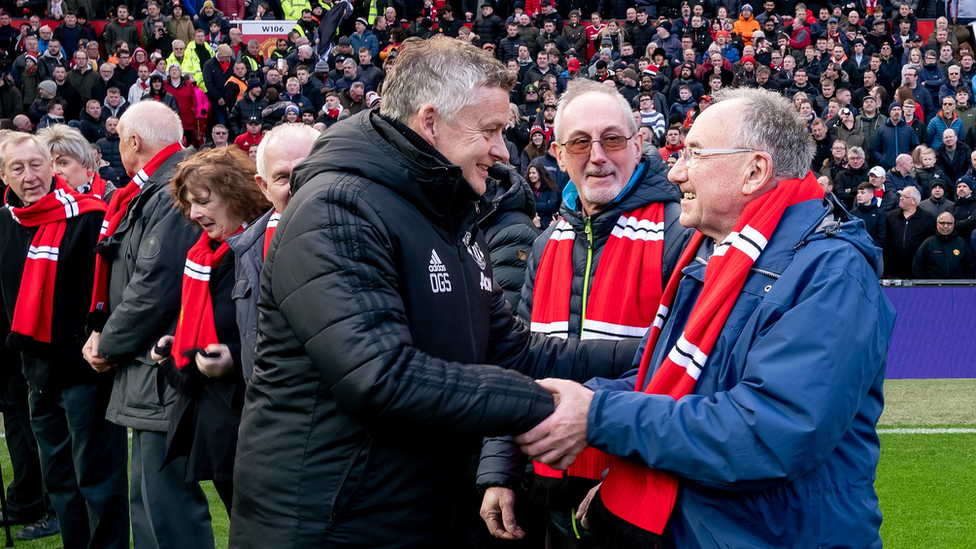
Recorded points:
(585, 506)
(218, 365)
(562, 436)
(498, 512)
(165, 341)
(90, 352)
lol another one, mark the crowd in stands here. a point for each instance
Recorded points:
(871, 87)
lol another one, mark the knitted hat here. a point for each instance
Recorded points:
(363, 21)
(290, 109)
(253, 83)
(893, 107)
(208, 4)
(939, 183)
(536, 129)
(372, 99)
(747, 7)
(224, 50)
(666, 25)
(49, 86)
(630, 73)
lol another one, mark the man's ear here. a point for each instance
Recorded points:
(758, 174)
(424, 123)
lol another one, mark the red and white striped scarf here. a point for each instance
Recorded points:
(625, 293)
(117, 209)
(269, 230)
(637, 494)
(196, 328)
(35, 300)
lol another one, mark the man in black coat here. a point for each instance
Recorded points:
(906, 228)
(67, 398)
(944, 255)
(366, 443)
(965, 209)
(145, 253)
(867, 209)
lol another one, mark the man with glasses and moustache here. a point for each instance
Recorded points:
(578, 284)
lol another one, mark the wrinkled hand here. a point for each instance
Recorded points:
(562, 436)
(165, 341)
(498, 512)
(217, 366)
(90, 353)
(585, 506)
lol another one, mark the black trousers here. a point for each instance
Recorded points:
(26, 500)
(83, 462)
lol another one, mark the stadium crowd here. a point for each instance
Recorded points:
(890, 111)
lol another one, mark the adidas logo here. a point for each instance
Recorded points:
(436, 266)
(440, 281)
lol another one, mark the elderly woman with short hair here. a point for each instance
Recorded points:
(75, 161)
(202, 361)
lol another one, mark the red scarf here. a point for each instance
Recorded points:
(269, 231)
(117, 209)
(625, 293)
(637, 494)
(97, 187)
(35, 299)
(196, 328)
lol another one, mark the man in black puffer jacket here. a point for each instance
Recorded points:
(384, 352)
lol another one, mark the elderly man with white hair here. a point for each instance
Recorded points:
(135, 300)
(906, 228)
(385, 351)
(280, 151)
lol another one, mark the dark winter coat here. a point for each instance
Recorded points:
(874, 222)
(506, 213)
(379, 322)
(954, 168)
(204, 420)
(58, 363)
(965, 212)
(147, 254)
(943, 256)
(902, 239)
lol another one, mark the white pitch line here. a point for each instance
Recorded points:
(923, 431)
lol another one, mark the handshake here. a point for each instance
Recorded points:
(556, 441)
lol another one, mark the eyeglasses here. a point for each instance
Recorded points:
(582, 145)
(690, 154)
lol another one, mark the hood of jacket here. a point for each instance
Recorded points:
(400, 160)
(816, 220)
(505, 191)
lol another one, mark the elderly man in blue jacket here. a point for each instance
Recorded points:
(753, 422)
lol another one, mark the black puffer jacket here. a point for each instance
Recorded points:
(372, 384)
(505, 216)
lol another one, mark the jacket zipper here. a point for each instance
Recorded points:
(586, 273)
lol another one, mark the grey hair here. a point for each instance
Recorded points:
(769, 123)
(855, 150)
(443, 72)
(293, 132)
(156, 124)
(14, 139)
(178, 41)
(63, 140)
(911, 192)
(580, 87)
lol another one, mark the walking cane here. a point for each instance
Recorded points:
(3, 509)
